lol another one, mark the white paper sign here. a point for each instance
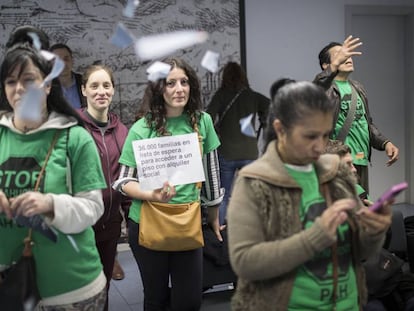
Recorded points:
(176, 159)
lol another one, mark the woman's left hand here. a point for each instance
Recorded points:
(31, 203)
(213, 220)
(376, 222)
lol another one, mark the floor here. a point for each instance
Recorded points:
(127, 294)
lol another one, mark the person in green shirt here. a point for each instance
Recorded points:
(171, 106)
(69, 199)
(297, 231)
(336, 62)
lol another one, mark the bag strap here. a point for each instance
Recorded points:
(27, 251)
(49, 153)
(350, 116)
(334, 250)
(221, 117)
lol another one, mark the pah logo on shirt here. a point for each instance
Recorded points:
(321, 264)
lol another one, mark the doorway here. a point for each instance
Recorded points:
(384, 70)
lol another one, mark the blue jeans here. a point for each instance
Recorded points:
(228, 169)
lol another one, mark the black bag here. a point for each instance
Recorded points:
(216, 264)
(214, 250)
(19, 291)
(383, 273)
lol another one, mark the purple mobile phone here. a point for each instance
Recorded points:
(389, 194)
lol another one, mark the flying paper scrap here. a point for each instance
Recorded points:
(210, 61)
(130, 7)
(48, 55)
(158, 70)
(58, 67)
(247, 125)
(30, 106)
(156, 46)
(122, 37)
(36, 40)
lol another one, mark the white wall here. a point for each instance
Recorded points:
(283, 38)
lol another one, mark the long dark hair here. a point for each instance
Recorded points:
(21, 54)
(21, 34)
(234, 77)
(153, 103)
(292, 103)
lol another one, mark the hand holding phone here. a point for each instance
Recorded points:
(388, 195)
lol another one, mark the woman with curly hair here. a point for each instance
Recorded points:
(171, 106)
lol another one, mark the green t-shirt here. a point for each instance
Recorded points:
(312, 288)
(361, 192)
(358, 136)
(176, 126)
(59, 267)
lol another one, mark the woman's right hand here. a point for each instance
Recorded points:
(336, 214)
(5, 205)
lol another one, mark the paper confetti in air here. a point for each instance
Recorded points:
(48, 55)
(122, 37)
(129, 9)
(161, 45)
(30, 106)
(158, 70)
(246, 125)
(210, 61)
(36, 40)
(73, 242)
(58, 66)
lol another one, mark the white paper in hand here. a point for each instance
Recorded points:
(122, 37)
(176, 159)
(158, 70)
(161, 45)
(210, 61)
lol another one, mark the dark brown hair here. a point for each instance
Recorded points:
(153, 104)
(234, 77)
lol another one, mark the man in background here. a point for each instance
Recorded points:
(70, 81)
(350, 98)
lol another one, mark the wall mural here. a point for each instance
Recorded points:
(86, 27)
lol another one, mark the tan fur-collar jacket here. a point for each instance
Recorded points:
(266, 240)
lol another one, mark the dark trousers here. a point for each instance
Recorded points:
(171, 280)
(362, 172)
(107, 252)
